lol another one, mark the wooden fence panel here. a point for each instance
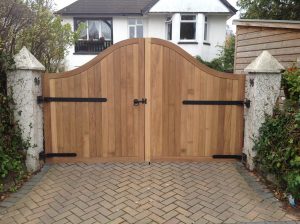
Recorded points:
(190, 132)
(112, 130)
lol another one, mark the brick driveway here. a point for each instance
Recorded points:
(216, 192)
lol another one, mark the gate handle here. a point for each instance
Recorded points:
(137, 102)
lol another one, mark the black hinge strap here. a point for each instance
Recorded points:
(216, 102)
(41, 99)
(53, 155)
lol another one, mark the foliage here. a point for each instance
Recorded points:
(47, 38)
(225, 61)
(15, 16)
(291, 83)
(278, 150)
(214, 64)
(31, 23)
(12, 145)
(266, 9)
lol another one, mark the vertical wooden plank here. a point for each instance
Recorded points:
(165, 101)
(53, 121)
(124, 101)
(228, 118)
(234, 120)
(202, 110)
(117, 99)
(141, 84)
(91, 110)
(85, 115)
(196, 136)
(172, 99)
(111, 106)
(148, 129)
(178, 103)
(78, 117)
(129, 100)
(156, 97)
(47, 115)
(105, 110)
(98, 110)
(66, 110)
(59, 116)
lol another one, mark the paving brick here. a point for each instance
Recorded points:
(216, 192)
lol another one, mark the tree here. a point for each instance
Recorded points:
(266, 9)
(227, 54)
(47, 38)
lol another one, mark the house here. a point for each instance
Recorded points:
(198, 26)
(280, 37)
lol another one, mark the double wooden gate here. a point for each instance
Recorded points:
(143, 100)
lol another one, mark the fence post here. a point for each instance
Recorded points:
(263, 82)
(26, 84)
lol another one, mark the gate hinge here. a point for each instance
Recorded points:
(40, 100)
(247, 103)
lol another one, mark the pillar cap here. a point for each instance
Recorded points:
(265, 63)
(26, 61)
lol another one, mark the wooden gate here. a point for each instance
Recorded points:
(143, 100)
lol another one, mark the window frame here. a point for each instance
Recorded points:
(188, 21)
(206, 30)
(103, 19)
(135, 26)
(169, 22)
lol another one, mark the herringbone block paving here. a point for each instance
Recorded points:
(211, 192)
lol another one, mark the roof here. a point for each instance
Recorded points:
(108, 7)
(140, 7)
(284, 24)
(204, 6)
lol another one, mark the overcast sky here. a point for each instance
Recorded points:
(63, 3)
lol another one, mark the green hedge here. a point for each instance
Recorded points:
(12, 146)
(278, 147)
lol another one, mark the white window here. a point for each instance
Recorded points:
(169, 28)
(95, 29)
(188, 26)
(135, 28)
(206, 29)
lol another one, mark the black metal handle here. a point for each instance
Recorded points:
(137, 102)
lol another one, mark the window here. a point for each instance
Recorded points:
(95, 36)
(188, 27)
(169, 28)
(206, 29)
(136, 29)
(94, 29)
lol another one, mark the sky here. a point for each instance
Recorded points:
(63, 3)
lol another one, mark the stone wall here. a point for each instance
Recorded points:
(263, 86)
(25, 84)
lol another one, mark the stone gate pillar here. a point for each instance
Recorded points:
(26, 84)
(263, 82)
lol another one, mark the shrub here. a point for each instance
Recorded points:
(291, 83)
(225, 61)
(278, 150)
(12, 146)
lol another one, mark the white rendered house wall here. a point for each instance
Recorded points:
(154, 26)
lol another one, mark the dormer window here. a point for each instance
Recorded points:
(188, 27)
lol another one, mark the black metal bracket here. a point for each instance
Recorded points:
(41, 99)
(137, 102)
(228, 157)
(247, 102)
(53, 155)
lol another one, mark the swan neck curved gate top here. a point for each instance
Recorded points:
(130, 104)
